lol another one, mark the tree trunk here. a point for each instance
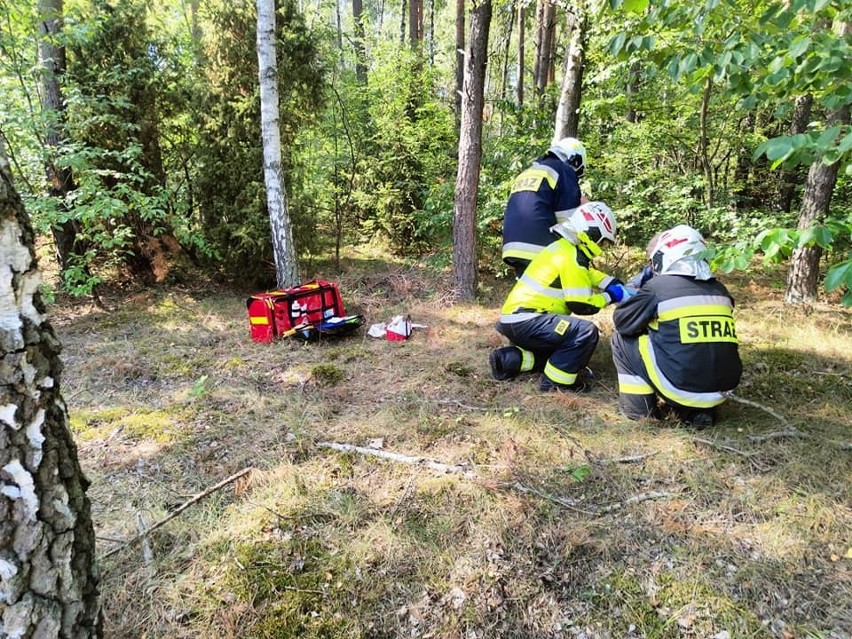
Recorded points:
(544, 44)
(460, 10)
(568, 111)
(415, 23)
(803, 277)
(52, 60)
(360, 52)
(704, 145)
(798, 124)
(633, 80)
(504, 73)
(48, 576)
(470, 154)
(521, 43)
(286, 265)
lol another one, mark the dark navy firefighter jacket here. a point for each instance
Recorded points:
(546, 189)
(687, 336)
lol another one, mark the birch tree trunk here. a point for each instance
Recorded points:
(360, 49)
(48, 576)
(286, 265)
(568, 111)
(470, 153)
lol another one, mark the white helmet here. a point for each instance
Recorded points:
(572, 152)
(678, 251)
(592, 221)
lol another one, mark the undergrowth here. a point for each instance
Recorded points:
(560, 518)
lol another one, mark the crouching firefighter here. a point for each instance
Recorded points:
(675, 338)
(539, 315)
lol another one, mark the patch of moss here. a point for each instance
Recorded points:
(326, 374)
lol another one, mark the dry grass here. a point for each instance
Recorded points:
(705, 534)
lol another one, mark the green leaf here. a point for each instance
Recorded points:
(617, 43)
(838, 275)
(846, 300)
(581, 472)
(845, 144)
(778, 148)
(636, 6)
(828, 136)
(799, 46)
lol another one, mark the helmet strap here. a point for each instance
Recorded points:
(590, 248)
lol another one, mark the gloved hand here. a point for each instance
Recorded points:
(619, 292)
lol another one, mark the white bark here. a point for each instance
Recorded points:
(286, 266)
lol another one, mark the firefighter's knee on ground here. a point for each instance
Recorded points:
(505, 362)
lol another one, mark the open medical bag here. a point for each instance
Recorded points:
(308, 311)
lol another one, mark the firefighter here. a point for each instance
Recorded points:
(676, 337)
(539, 316)
(542, 196)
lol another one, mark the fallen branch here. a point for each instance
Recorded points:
(748, 402)
(780, 434)
(633, 459)
(730, 449)
(397, 457)
(636, 499)
(178, 511)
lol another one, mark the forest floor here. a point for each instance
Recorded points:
(557, 517)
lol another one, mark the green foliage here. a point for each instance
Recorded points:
(408, 151)
(228, 156)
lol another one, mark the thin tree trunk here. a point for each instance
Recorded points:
(704, 145)
(568, 111)
(286, 265)
(544, 46)
(460, 11)
(504, 74)
(633, 81)
(415, 23)
(360, 53)
(61, 180)
(521, 43)
(803, 277)
(798, 124)
(470, 154)
(48, 575)
(402, 12)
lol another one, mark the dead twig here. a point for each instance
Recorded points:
(779, 434)
(636, 499)
(633, 459)
(455, 402)
(397, 457)
(565, 502)
(178, 511)
(725, 447)
(748, 402)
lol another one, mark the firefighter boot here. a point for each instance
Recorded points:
(505, 362)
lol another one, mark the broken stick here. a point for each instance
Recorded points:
(178, 511)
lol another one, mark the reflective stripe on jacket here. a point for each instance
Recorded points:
(559, 280)
(539, 194)
(687, 337)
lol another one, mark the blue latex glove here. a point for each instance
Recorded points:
(619, 292)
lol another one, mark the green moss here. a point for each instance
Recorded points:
(670, 604)
(326, 374)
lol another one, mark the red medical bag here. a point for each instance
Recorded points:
(281, 313)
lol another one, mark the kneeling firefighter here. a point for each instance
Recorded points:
(676, 337)
(538, 316)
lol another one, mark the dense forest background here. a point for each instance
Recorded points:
(141, 120)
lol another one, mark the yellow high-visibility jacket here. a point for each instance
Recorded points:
(558, 280)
